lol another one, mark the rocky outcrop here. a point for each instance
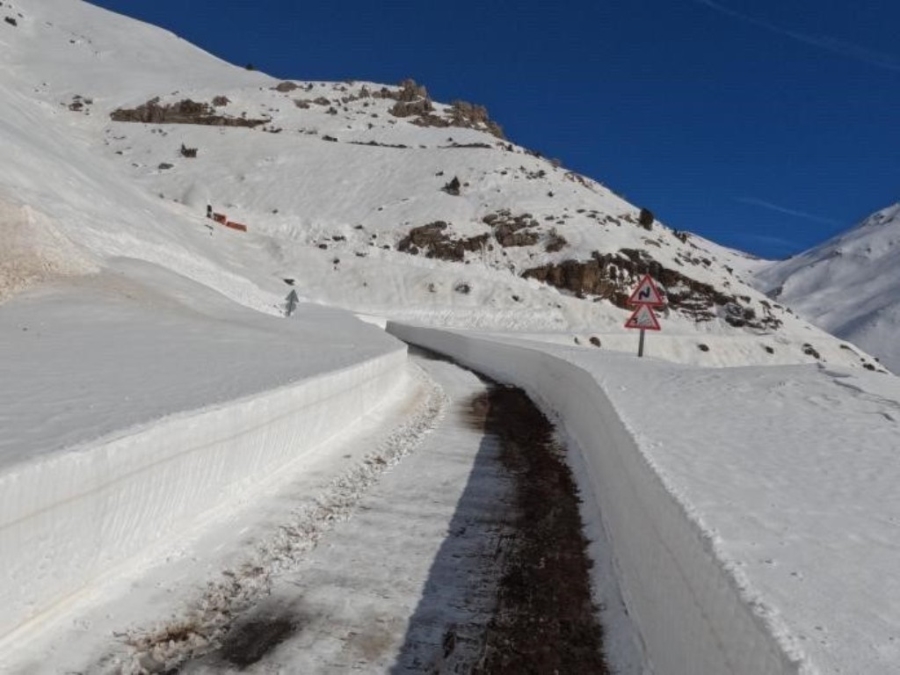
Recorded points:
(587, 277)
(286, 86)
(470, 115)
(183, 112)
(555, 242)
(433, 240)
(452, 187)
(513, 230)
(612, 276)
(412, 100)
(420, 107)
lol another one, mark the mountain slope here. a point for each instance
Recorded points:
(848, 285)
(372, 198)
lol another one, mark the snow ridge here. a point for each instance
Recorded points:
(205, 621)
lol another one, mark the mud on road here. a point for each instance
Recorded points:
(532, 563)
(545, 620)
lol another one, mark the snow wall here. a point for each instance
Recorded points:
(689, 612)
(76, 516)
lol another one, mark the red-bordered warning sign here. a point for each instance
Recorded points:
(647, 294)
(643, 318)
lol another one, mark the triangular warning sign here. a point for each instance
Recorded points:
(646, 293)
(643, 318)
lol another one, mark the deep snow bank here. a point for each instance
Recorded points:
(74, 516)
(689, 611)
(136, 401)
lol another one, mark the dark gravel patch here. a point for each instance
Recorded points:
(545, 620)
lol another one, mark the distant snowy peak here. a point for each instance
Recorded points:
(875, 237)
(883, 217)
(849, 285)
(855, 256)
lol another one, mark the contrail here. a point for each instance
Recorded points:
(825, 42)
(790, 212)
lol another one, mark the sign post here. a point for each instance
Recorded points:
(646, 296)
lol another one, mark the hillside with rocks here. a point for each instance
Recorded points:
(370, 197)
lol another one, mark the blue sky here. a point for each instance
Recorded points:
(762, 124)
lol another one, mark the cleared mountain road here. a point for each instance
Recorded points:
(466, 557)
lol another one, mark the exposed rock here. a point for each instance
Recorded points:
(513, 233)
(410, 108)
(645, 219)
(286, 86)
(432, 239)
(183, 112)
(581, 278)
(452, 187)
(513, 230)
(412, 100)
(612, 276)
(376, 144)
(555, 242)
(410, 91)
(809, 350)
(470, 115)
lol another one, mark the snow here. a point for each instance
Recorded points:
(103, 457)
(737, 510)
(96, 336)
(848, 285)
(150, 381)
(226, 562)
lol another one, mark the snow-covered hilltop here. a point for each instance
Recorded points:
(369, 197)
(849, 285)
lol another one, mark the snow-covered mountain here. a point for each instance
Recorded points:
(369, 197)
(153, 388)
(849, 285)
